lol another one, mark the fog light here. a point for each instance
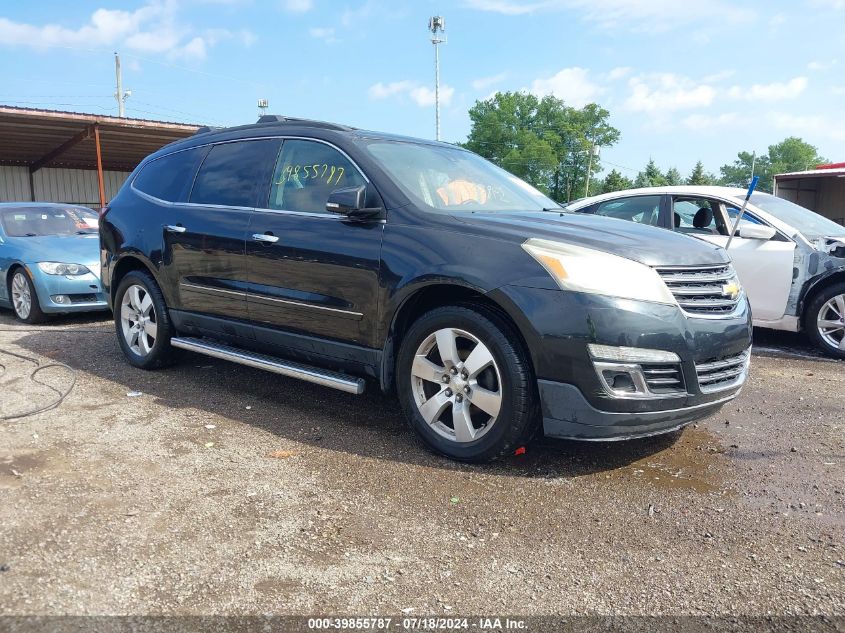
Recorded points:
(620, 381)
(60, 299)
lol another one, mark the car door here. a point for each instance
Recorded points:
(204, 243)
(312, 272)
(764, 267)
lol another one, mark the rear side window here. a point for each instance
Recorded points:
(236, 174)
(306, 173)
(697, 215)
(170, 177)
(640, 209)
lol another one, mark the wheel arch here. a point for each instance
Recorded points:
(124, 266)
(429, 297)
(816, 286)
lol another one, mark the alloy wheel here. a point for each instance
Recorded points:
(457, 385)
(21, 296)
(831, 322)
(138, 320)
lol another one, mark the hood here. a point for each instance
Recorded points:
(67, 249)
(645, 244)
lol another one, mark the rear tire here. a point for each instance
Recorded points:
(824, 320)
(24, 298)
(466, 385)
(142, 322)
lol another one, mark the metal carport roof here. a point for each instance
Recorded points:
(52, 138)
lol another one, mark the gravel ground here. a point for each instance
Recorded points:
(222, 489)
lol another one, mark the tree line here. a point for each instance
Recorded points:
(553, 147)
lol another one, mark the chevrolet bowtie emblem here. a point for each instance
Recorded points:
(731, 290)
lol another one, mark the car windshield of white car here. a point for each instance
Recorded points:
(811, 224)
(37, 222)
(450, 180)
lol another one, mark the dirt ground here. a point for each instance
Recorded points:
(222, 489)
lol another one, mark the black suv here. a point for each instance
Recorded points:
(332, 254)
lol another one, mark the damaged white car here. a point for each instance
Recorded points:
(790, 260)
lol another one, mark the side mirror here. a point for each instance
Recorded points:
(756, 232)
(346, 199)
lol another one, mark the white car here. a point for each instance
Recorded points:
(790, 260)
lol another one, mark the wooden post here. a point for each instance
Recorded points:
(102, 186)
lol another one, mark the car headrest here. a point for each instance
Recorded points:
(703, 218)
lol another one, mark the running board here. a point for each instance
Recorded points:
(327, 378)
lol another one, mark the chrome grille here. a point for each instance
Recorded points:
(663, 378)
(723, 373)
(701, 290)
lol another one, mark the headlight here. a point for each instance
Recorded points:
(56, 268)
(588, 270)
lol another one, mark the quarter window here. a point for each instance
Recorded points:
(234, 174)
(640, 209)
(169, 177)
(306, 173)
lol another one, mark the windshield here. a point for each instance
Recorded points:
(453, 180)
(40, 221)
(811, 224)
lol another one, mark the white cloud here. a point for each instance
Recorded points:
(667, 92)
(654, 15)
(818, 65)
(485, 82)
(708, 122)
(573, 85)
(620, 72)
(806, 125)
(152, 28)
(422, 95)
(506, 7)
(326, 34)
(298, 6)
(383, 91)
(776, 91)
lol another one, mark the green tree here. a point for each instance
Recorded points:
(673, 177)
(651, 176)
(791, 154)
(543, 141)
(700, 177)
(738, 174)
(615, 181)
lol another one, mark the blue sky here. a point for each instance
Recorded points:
(682, 80)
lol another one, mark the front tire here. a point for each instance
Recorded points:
(142, 323)
(824, 320)
(466, 385)
(24, 298)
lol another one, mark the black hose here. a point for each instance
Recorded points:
(61, 395)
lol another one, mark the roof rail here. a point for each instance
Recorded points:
(206, 129)
(278, 118)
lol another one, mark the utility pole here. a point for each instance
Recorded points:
(120, 95)
(753, 162)
(594, 151)
(437, 26)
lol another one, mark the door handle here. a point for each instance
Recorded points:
(175, 228)
(267, 238)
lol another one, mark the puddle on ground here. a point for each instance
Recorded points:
(694, 462)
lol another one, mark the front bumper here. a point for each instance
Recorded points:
(568, 415)
(558, 327)
(83, 293)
